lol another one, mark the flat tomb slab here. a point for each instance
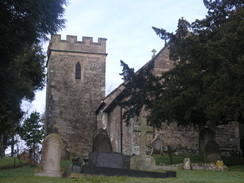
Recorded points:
(86, 169)
(109, 160)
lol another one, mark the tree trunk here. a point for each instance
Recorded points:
(1, 147)
(170, 155)
(12, 146)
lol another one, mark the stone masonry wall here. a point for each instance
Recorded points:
(228, 138)
(183, 141)
(70, 102)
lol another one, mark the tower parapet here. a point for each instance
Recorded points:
(72, 45)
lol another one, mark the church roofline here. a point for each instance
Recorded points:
(111, 104)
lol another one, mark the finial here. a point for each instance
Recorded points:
(154, 51)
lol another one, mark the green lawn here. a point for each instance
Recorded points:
(177, 159)
(10, 162)
(26, 175)
(229, 161)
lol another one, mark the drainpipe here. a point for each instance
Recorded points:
(121, 131)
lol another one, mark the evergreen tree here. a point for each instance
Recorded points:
(32, 132)
(206, 85)
(24, 24)
(127, 72)
(141, 90)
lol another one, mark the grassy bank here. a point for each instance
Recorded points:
(229, 161)
(7, 162)
(26, 174)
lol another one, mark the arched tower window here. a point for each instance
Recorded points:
(77, 71)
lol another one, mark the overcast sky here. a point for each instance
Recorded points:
(127, 25)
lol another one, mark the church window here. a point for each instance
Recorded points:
(77, 71)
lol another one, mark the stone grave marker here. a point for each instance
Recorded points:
(109, 160)
(204, 137)
(144, 129)
(187, 164)
(75, 169)
(51, 156)
(101, 141)
(143, 161)
(211, 152)
(77, 164)
(126, 172)
(157, 144)
(65, 155)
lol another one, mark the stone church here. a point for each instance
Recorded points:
(76, 105)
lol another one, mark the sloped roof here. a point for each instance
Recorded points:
(112, 98)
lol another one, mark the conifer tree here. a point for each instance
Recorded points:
(32, 132)
(24, 25)
(206, 85)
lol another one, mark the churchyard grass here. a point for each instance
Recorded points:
(26, 174)
(177, 159)
(9, 162)
(229, 161)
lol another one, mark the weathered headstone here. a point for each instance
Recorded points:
(77, 165)
(126, 172)
(109, 160)
(51, 156)
(187, 164)
(65, 155)
(101, 141)
(157, 144)
(211, 152)
(204, 137)
(144, 129)
(143, 161)
(75, 169)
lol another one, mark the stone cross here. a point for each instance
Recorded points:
(144, 129)
(154, 51)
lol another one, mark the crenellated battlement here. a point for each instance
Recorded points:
(72, 45)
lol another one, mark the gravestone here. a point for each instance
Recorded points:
(101, 141)
(126, 172)
(75, 169)
(77, 165)
(211, 152)
(51, 156)
(143, 161)
(204, 137)
(144, 129)
(187, 164)
(109, 160)
(157, 144)
(65, 155)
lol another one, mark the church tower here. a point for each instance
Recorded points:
(75, 87)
